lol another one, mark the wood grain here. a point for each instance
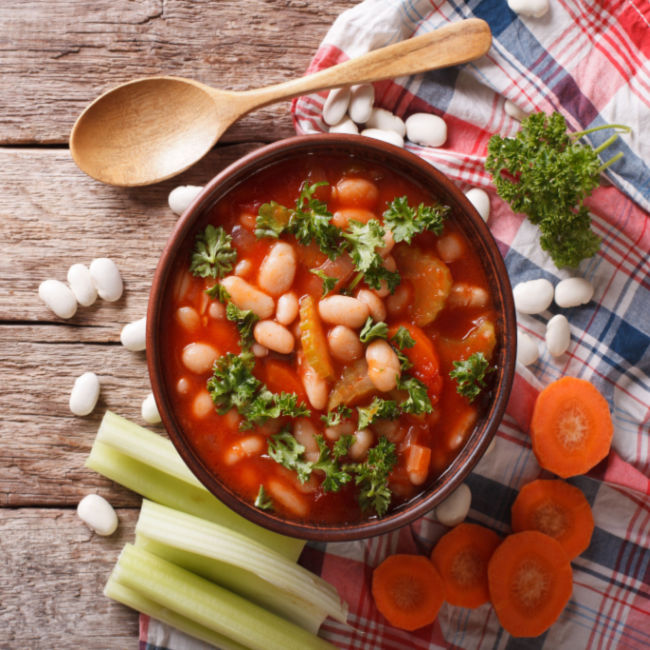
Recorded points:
(58, 55)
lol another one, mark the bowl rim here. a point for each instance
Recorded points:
(381, 153)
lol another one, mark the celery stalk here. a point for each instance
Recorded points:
(241, 582)
(210, 605)
(144, 445)
(189, 533)
(135, 600)
(163, 488)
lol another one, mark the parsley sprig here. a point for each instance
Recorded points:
(213, 254)
(546, 173)
(245, 320)
(470, 375)
(405, 221)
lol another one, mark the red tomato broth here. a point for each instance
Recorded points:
(213, 434)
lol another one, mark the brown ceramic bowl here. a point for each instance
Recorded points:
(419, 172)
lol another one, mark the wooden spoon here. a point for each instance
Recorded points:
(151, 129)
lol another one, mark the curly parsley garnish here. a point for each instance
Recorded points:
(263, 500)
(328, 282)
(417, 402)
(335, 417)
(245, 320)
(378, 409)
(371, 477)
(405, 222)
(213, 254)
(372, 330)
(470, 375)
(546, 173)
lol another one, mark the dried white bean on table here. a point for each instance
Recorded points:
(514, 111)
(149, 410)
(58, 297)
(382, 119)
(532, 8)
(180, 197)
(527, 349)
(453, 510)
(572, 292)
(336, 105)
(480, 200)
(385, 136)
(107, 279)
(84, 394)
(426, 129)
(362, 99)
(82, 284)
(134, 335)
(558, 335)
(98, 514)
(346, 125)
(533, 296)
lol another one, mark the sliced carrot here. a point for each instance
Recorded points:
(423, 356)
(557, 509)
(312, 338)
(461, 557)
(571, 428)
(430, 278)
(353, 386)
(408, 591)
(280, 378)
(481, 338)
(530, 582)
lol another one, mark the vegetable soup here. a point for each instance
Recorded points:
(329, 339)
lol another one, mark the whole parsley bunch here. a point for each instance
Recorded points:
(546, 173)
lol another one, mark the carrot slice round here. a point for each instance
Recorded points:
(408, 591)
(571, 428)
(461, 557)
(557, 509)
(530, 581)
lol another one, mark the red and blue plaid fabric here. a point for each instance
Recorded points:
(589, 60)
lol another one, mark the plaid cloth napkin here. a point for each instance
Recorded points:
(589, 61)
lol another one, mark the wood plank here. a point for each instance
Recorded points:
(52, 573)
(58, 55)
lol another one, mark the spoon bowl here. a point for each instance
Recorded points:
(151, 129)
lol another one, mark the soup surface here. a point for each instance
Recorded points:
(329, 339)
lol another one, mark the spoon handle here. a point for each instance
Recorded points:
(452, 44)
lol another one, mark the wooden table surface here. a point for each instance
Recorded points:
(55, 57)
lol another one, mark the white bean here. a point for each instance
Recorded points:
(385, 135)
(363, 440)
(527, 349)
(199, 357)
(426, 129)
(345, 428)
(346, 125)
(84, 394)
(532, 8)
(398, 300)
(287, 308)
(246, 296)
(480, 200)
(183, 386)
(134, 335)
(202, 405)
(180, 197)
(533, 296)
(149, 410)
(362, 98)
(453, 510)
(244, 448)
(558, 335)
(305, 433)
(107, 279)
(278, 269)
(189, 318)
(572, 292)
(82, 284)
(287, 497)
(336, 105)
(374, 302)
(259, 350)
(98, 514)
(384, 120)
(514, 111)
(344, 343)
(343, 310)
(383, 365)
(216, 310)
(243, 268)
(315, 387)
(274, 336)
(58, 297)
(467, 295)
